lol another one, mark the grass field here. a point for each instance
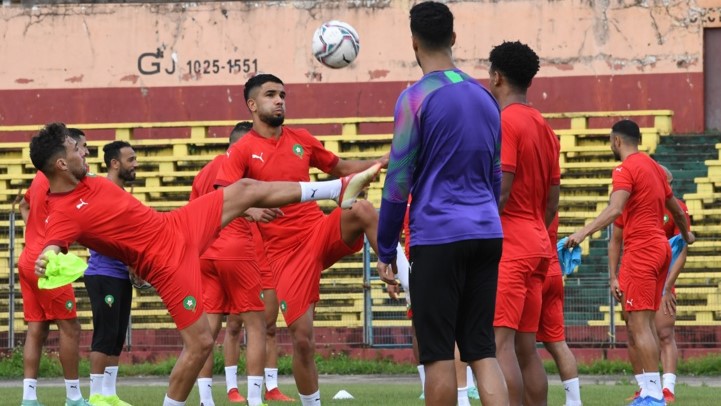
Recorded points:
(369, 393)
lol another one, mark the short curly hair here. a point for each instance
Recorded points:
(516, 61)
(432, 24)
(48, 144)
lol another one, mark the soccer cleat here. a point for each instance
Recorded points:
(634, 397)
(98, 400)
(668, 396)
(79, 402)
(235, 397)
(473, 393)
(28, 402)
(423, 396)
(277, 396)
(353, 185)
(113, 400)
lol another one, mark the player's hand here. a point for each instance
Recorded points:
(616, 290)
(40, 265)
(393, 291)
(691, 238)
(575, 239)
(668, 303)
(387, 273)
(262, 215)
(384, 160)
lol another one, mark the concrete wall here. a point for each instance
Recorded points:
(138, 62)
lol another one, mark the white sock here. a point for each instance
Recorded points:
(422, 374)
(231, 378)
(96, 384)
(639, 381)
(72, 389)
(205, 388)
(30, 389)
(572, 388)
(320, 190)
(111, 376)
(463, 397)
(669, 382)
(170, 402)
(255, 386)
(652, 382)
(470, 383)
(310, 400)
(271, 378)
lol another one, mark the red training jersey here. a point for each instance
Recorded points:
(235, 240)
(529, 150)
(107, 219)
(287, 158)
(642, 217)
(669, 226)
(36, 197)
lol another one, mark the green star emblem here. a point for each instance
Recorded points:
(283, 306)
(109, 300)
(189, 303)
(69, 305)
(262, 296)
(298, 150)
(665, 218)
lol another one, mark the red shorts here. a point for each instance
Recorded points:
(520, 281)
(45, 304)
(298, 272)
(267, 278)
(172, 264)
(231, 286)
(642, 277)
(550, 327)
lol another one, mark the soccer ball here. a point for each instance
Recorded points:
(335, 44)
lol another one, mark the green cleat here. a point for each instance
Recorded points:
(114, 400)
(473, 393)
(79, 402)
(28, 402)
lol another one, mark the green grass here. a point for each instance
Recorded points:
(387, 394)
(11, 366)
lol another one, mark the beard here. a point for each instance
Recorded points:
(616, 155)
(80, 173)
(126, 175)
(272, 120)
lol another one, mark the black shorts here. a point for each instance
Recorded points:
(453, 291)
(110, 300)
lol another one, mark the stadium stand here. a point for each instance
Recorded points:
(167, 168)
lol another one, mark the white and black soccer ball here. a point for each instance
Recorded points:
(335, 44)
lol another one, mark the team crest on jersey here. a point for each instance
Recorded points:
(69, 305)
(262, 296)
(298, 150)
(109, 300)
(665, 218)
(283, 306)
(189, 303)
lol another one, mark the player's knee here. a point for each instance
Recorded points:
(271, 329)
(70, 328)
(364, 212)
(665, 335)
(303, 346)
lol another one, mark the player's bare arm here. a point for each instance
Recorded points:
(680, 219)
(554, 193)
(607, 216)
(614, 255)
(668, 300)
(259, 215)
(24, 209)
(345, 167)
(42, 261)
(506, 185)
